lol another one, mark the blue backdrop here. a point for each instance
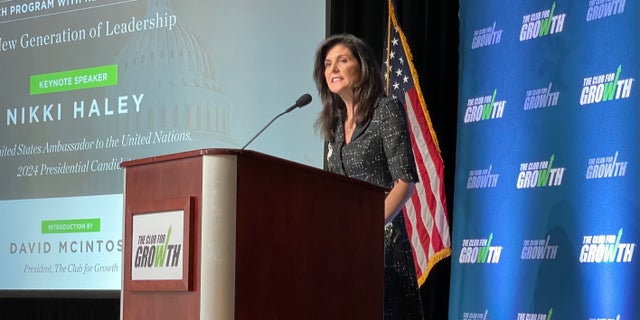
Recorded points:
(546, 189)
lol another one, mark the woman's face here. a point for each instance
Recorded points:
(341, 70)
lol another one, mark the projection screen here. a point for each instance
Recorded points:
(87, 85)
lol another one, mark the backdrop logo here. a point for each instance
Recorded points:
(606, 249)
(486, 37)
(484, 108)
(479, 251)
(606, 167)
(154, 251)
(539, 174)
(540, 24)
(475, 315)
(599, 9)
(535, 316)
(482, 179)
(605, 87)
(538, 250)
(541, 98)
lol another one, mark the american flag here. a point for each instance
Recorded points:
(426, 213)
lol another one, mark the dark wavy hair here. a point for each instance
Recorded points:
(366, 92)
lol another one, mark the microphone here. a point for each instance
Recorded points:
(304, 100)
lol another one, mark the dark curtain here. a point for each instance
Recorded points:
(431, 28)
(60, 308)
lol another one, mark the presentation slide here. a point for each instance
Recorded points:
(88, 84)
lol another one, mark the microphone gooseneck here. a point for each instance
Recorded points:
(304, 100)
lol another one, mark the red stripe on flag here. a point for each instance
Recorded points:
(434, 154)
(423, 237)
(425, 179)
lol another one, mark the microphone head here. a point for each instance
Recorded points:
(304, 100)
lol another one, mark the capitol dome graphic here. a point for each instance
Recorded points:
(171, 67)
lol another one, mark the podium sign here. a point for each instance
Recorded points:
(155, 253)
(160, 246)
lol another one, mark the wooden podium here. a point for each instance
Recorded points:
(250, 236)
